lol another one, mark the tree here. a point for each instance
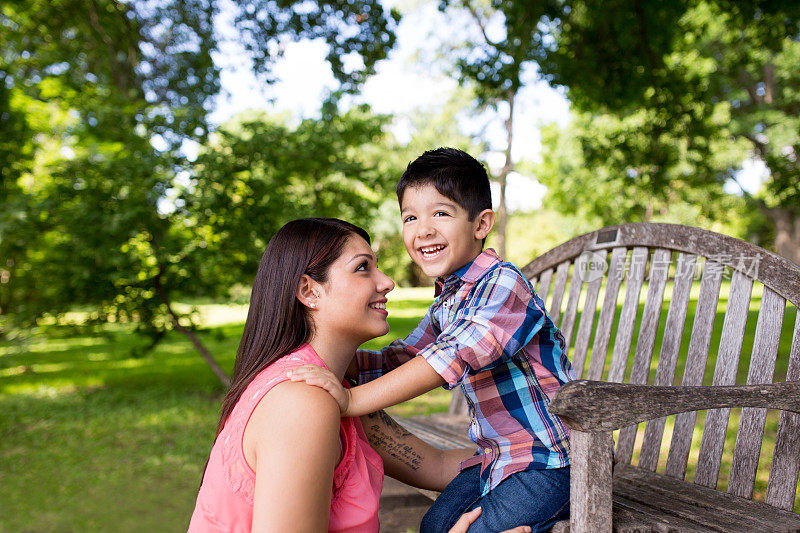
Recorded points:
(104, 94)
(256, 173)
(494, 62)
(695, 82)
(599, 168)
(431, 125)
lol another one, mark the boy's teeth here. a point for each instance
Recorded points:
(431, 249)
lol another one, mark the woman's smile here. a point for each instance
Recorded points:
(354, 278)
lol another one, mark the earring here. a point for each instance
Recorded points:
(312, 305)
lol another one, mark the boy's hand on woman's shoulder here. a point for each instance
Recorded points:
(323, 378)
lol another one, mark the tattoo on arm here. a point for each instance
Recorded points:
(387, 435)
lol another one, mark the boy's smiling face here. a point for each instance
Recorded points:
(437, 232)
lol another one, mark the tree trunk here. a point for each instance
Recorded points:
(204, 353)
(502, 178)
(787, 232)
(195, 340)
(501, 218)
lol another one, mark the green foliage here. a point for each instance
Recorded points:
(349, 27)
(532, 234)
(115, 65)
(683, 92)
(594, 169)
(257, 173)
(96, 101)
(669, 98)
(494, 66)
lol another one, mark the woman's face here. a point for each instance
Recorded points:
(352, 303)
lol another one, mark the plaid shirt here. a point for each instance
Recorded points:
(488, 331)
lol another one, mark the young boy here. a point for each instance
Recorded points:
(487, 331)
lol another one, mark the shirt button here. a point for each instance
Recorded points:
(487, 450)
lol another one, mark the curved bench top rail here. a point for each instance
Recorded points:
(778, 273)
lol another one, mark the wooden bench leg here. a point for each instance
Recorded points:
(590, 482)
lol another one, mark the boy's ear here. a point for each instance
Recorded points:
(308, 291)
(484, 223)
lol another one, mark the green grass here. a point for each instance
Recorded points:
(94, 439)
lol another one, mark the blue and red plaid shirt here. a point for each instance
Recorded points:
(488, 331)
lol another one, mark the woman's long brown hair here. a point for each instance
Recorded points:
(277, 323)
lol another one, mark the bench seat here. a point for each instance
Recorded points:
(647, 501)
(643, 501)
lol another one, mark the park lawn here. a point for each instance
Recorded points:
(95, 439)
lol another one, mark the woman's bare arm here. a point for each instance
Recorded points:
(293, 439)
(409, 459)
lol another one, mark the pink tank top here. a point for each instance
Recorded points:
(225, 500)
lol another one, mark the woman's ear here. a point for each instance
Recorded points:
(308, 291)
(484, 223)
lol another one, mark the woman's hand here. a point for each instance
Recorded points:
(320, 377)
(466, 520)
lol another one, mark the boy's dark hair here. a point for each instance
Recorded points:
(455, 174)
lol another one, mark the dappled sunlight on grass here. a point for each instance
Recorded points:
(213, 315)
(107, 465)
(125, 434)
(45, 345)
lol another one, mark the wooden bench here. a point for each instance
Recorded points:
(702, 472)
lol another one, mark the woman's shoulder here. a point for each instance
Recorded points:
(295, 412)
(297, 397)
(271, 387)
(288, 399)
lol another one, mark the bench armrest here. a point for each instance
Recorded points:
(595, 406)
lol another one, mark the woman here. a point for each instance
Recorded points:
(283, 459)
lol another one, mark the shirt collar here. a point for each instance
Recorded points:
(472, 271)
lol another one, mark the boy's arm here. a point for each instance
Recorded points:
(408, 381)
(371, 365)
(412, 379)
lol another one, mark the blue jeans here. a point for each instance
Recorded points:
(537, 498)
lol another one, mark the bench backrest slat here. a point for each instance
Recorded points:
(544, 285)
(659, 267)
(762, 367)
(694, 370)
(627, 317)
(585, 324)
(605, 321)
(558, 291)
(783, 474)
(567, 323)
(668, 358)
(730, 348)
